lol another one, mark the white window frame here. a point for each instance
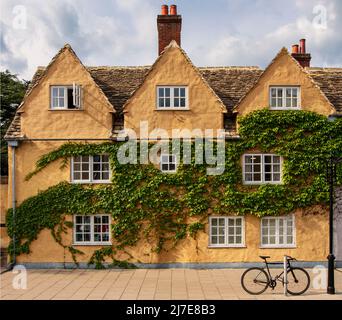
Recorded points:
(168, 156)
(226, 244)
(172, 107)
(263, 181)
(77, 96)
(277, 245)
(92, 242)
(298, 107)
(91, 170)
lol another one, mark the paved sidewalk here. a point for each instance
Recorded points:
(163, 284)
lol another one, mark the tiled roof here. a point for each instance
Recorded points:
(230, 84)
(330, 82)
(14, 130)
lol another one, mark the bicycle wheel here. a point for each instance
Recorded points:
(255, 281)
(298, 281)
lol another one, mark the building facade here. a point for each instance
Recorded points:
(69, 102)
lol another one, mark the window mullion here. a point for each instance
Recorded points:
(172, 102)
(226, 231)
(92, 229)
(66, 97)
(277, 231)
(91, 163)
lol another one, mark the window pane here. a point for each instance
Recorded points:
(257, 177)
(214, 222)
(182, 102)
(85, 176)
(161, 103)
(276, 177)
(182, 92)
(161, 92)
(176, 92)
(97, 158)
(214, 240)
(97, 176)
(105, 176)
(176, 103)
(248, 177)
(248, 168)
(97, 219)
(167, 102)
(280, 102)
(167, 92)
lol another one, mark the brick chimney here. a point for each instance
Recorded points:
(299, 53)
(169, 27)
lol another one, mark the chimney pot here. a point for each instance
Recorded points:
(302, 43)
(165, 10)
(169, 27)
(299, 53)
(295, 48)
(173, 10)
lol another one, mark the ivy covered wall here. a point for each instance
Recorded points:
(145, 202)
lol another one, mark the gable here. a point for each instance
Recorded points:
(67, 55)
(39, 121)
(174, 68)
(284, 70)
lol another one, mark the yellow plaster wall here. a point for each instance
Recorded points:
(206, 111)
(311, 241)
(3, 209)
(38, 121)
(285, 71)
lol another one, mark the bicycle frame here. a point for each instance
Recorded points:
(272, 282)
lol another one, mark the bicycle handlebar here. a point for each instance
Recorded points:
(290, 259)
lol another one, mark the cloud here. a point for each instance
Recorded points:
(123, 32)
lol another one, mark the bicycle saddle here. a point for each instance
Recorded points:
(264, 257)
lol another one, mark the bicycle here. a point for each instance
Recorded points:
(255, 280)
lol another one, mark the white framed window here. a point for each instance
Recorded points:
(262, 168)
(284, 98)
(168, 163)
(92, 230)
(65, 97)
(90, 169)
(226, 232)
(278, 232)
(172, 97)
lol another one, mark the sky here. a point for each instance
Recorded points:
(124, 32)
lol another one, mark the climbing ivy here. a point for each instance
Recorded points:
(165, 208)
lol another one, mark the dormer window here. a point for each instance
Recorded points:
(66, 97)
(172, 97)
(284, 98)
